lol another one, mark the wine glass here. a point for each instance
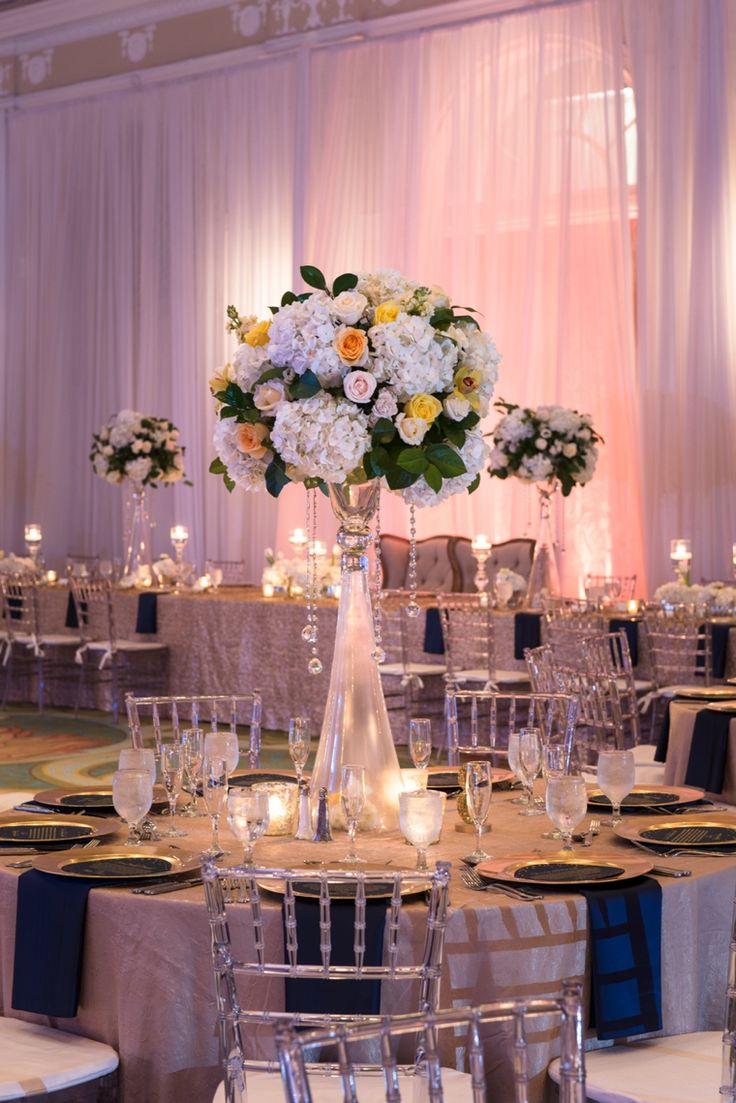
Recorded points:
(172, 775)
(352, 797)
(420, 819)
(192, 740)
(478, 789)
(214, 790)
(223, 745)
(530, 762)
(512, 753)
(132, 793)
(247, 817)
(553, 762)
(420, 742)
(138, 758)
(215, 574)
(616, 777)
(566, 802)
(299, 745)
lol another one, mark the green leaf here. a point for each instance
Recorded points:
(346, 282)
(274, 309)
(384, 430)
(467, 318)
(475, 484)
(398, 479)
(442, 317)
(379, 461)
(323, 487)
(276, 477)
(313, 277)
(434, 478)
(229, 483)
(270, 373)
(412, 459)
(454, 432)
(217, 467)
(306, 385)
(446, 460)
(288, 298)
(229, 411)
(251, 416)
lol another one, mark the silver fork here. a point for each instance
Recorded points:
(28, 862)
(594, 828)
(474, 881)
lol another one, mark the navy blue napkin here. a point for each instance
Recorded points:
(631, 628)
(720, 647)
(49, 938)
(527, 632)
(147, 617)
(434, 643)
(345, 997)
(625, 926)
(663, 742)
(706, 765)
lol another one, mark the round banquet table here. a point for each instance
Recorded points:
(682, 723)
(147, 984)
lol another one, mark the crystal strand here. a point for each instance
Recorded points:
(314, 666)
(308, 630)
(412, 609)
(378, 654)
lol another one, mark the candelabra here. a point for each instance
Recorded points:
(179, 537)
(481, 547)
(681, 556)
(33, 538)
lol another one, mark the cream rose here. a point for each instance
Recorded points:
(456, 406)
(359, 386)
(351, 345)
(348, 307)
(250, 439)
(424, 406)
(267, 397)
(570, 450)
(412, 430)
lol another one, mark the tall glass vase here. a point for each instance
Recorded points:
(138, 566)
(356, 728)
(544, 578)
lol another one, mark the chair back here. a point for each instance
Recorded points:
(168, 715)
(95, 609)
(516, 555)
(540, 664)
(467, 629)
(435, 570)
(402, 636)
(251, 925)
(479, 721)
(565, 627)
(82, 566)
(442, 1035)
(20, 605)
(600, 723)
(680, 646)
(608, 654)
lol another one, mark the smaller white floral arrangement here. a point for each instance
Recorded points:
(723, 597)
(142, 449)
(290, 575)
(508, 585)
(17, 564)
(672, 594)
(166, 571)
(543, 445)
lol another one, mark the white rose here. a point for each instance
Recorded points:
(540, 443)
(108, 450)
(570, 450)
(456, 407)
(359, 385)
(412, 430)
(267, 397)
(385, 405)
(348, 307)
(114, 477)
(146, 446)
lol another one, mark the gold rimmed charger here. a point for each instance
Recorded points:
(89, 800)
(563, 871)
(119, 863)
(721, 706)
(442, 777)
(52, 830)
(648, 796)
(717, 829)
(707, 693)
(246, 778)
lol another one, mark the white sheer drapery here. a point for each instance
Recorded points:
(488, 158)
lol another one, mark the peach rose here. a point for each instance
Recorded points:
(251, 437)
(351, 345)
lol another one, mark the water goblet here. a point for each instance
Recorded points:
(141, 758)
(512, 753)
(530, 762)
(215, 792)
(352, 798)
(172, 775)
(247, 817)
(553, 762)
(616, 777)
(132, 793)
(566, 802)
(420, 819)
(192, 740)
(420, 742)
(299, 745)
(478, 789)
(223, 745)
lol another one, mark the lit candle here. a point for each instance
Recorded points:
(337, 590)
(633, 606)
(282, 806)
(33, 533)
(179, 533)
(267, 589)
(680, 550)
(298, 539)
(413, 780)
(204, 582)
(319, 548)
(51, 576)
(481, 543)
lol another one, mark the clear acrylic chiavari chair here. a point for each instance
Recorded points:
(564, 629)
(408, 669)
(467, 629)
(218, 711)
(479, 721)
(541, 667)
(679, 642)
(25, 645)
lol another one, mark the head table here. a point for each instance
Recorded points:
(147, 986)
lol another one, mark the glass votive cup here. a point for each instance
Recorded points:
(413, 780)
(283, 806)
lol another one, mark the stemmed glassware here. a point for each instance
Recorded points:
(420, 742)
(530, 762)
(132, 793)
(214, 790)
(192, 740)
(553, 762)
(566, 802)
(478, 789)
(141, 758)
(172, 775)
(352, 797)
(512, 753)
(223, 745)
(616, 777)
(299, 745)
(420, 819)
(247, 817)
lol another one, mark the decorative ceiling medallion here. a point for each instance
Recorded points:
(134, 45)
(247, 18)
(36, 68)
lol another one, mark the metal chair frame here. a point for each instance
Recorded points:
(555, 713)
(217, 707)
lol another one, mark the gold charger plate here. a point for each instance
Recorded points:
(707, 693)
(681, 831)
(444, 777)
(51, 830)
(92, 799)
(119, 863)
(554, 869)
(648, 796)
(244, 778)
(721, 706)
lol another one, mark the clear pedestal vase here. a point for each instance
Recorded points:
(138, 566)
(356, 728)
(544, 578)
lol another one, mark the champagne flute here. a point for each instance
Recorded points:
(193, 743)
(215, 792)
(478, 789)
(530, 762)
(512, 753)
(223, 745)
(352, 797)
(420, 742)
(420, 819)
(247, 817)
(132, 793)
(566, 802)
(616, 777)
(299, 745)
(172, 774)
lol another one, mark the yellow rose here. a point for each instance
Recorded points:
(250, 439)
(386, 312)
(220, 380)
(258, 334)
(351, 345)
(425, 406)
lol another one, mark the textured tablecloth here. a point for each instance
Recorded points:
(147, 985)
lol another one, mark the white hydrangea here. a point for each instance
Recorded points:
(535, 468)
(723, 598)
(136, 470)
(325, 437)
(513, 428)
(474, 453)
(678, 593)
(409, 357)
(243, 469)
(248, 363)
(379, 287)
(302, 335)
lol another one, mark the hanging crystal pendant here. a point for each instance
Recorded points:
(544, 579)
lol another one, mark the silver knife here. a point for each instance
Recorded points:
(671, 871)
(169, 886)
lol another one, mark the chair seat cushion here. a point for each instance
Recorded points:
(685, 1068)
(266, 1087)
(52, 639)
(126, 645)
(36, 1058)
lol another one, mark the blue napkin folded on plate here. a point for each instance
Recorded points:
(706, 766)
(625, 924)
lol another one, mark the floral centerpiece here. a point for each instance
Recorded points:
(715, 596)
(507, 585)
(291, 575)
(17, 564)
